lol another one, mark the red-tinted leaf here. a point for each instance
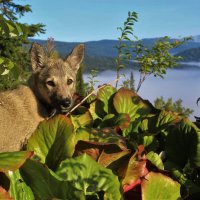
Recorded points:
(13, 160)
(107, 157)
(103, 145)
(121, 121)
(4, 195)
(93, 150)
(126, 101)
(136, 169)
(127, 187)
(104, 136)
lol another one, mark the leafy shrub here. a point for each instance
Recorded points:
(119, 147)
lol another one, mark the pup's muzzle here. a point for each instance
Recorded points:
(64, 105)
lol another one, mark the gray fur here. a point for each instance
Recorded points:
(51, 89)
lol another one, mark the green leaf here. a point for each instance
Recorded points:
(154, 124)
(150, 143)
(93, 111)
(11, 161)
(192, 186)
(1, 60)
(90, 177)
(155, 159)
(183, 144)
(18, 188)
(11, 27)
(5, 72)
(126, 101)
(53, 140)
(45, 185)
(159, 186)
(4, 28)
(18, 29)
(82, 120)
(105, 95)
(10, 65)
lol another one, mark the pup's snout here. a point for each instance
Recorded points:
(63, 105)
(66, 103)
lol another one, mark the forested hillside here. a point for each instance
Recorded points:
(190, 55)
(107, 47)
(102, 54)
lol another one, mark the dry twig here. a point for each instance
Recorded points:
(93, 92)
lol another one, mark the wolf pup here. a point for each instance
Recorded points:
(51, 88)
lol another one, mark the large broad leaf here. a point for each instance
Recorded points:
(150, 143)
(191, 182)
(121, 121)
(126, 101)
(103, 145)
(110, 158)
(103, 104)
(82, 120)
(18, 188)
(104, 95)
(13, 160)
(103, 136)
(166, 118)
(158, 186)
(156, 123)
(45, 185)
(183, 144)
(90, 177)
(136, 170)
(155, 159)
(53, 140)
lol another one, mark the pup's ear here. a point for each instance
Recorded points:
(38, 57)
(76, 57)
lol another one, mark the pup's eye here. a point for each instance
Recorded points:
(69, 81)
(51, 83)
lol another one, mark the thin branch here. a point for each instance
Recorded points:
(93, 92)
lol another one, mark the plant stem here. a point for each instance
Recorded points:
(93, 92)
(118, 68)
(142, 79)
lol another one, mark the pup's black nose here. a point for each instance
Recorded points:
(66, 103)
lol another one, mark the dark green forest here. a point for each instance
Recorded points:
(190, 55)
(102, 54)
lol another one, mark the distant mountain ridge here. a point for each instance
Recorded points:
(101, 54)
(105, 48)
(190, 55)
(196, 38)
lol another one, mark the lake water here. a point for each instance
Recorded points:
(178, 83)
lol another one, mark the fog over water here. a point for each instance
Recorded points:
(178, 83)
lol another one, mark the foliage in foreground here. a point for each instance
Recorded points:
(120, 147)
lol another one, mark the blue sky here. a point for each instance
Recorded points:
(86, 20)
